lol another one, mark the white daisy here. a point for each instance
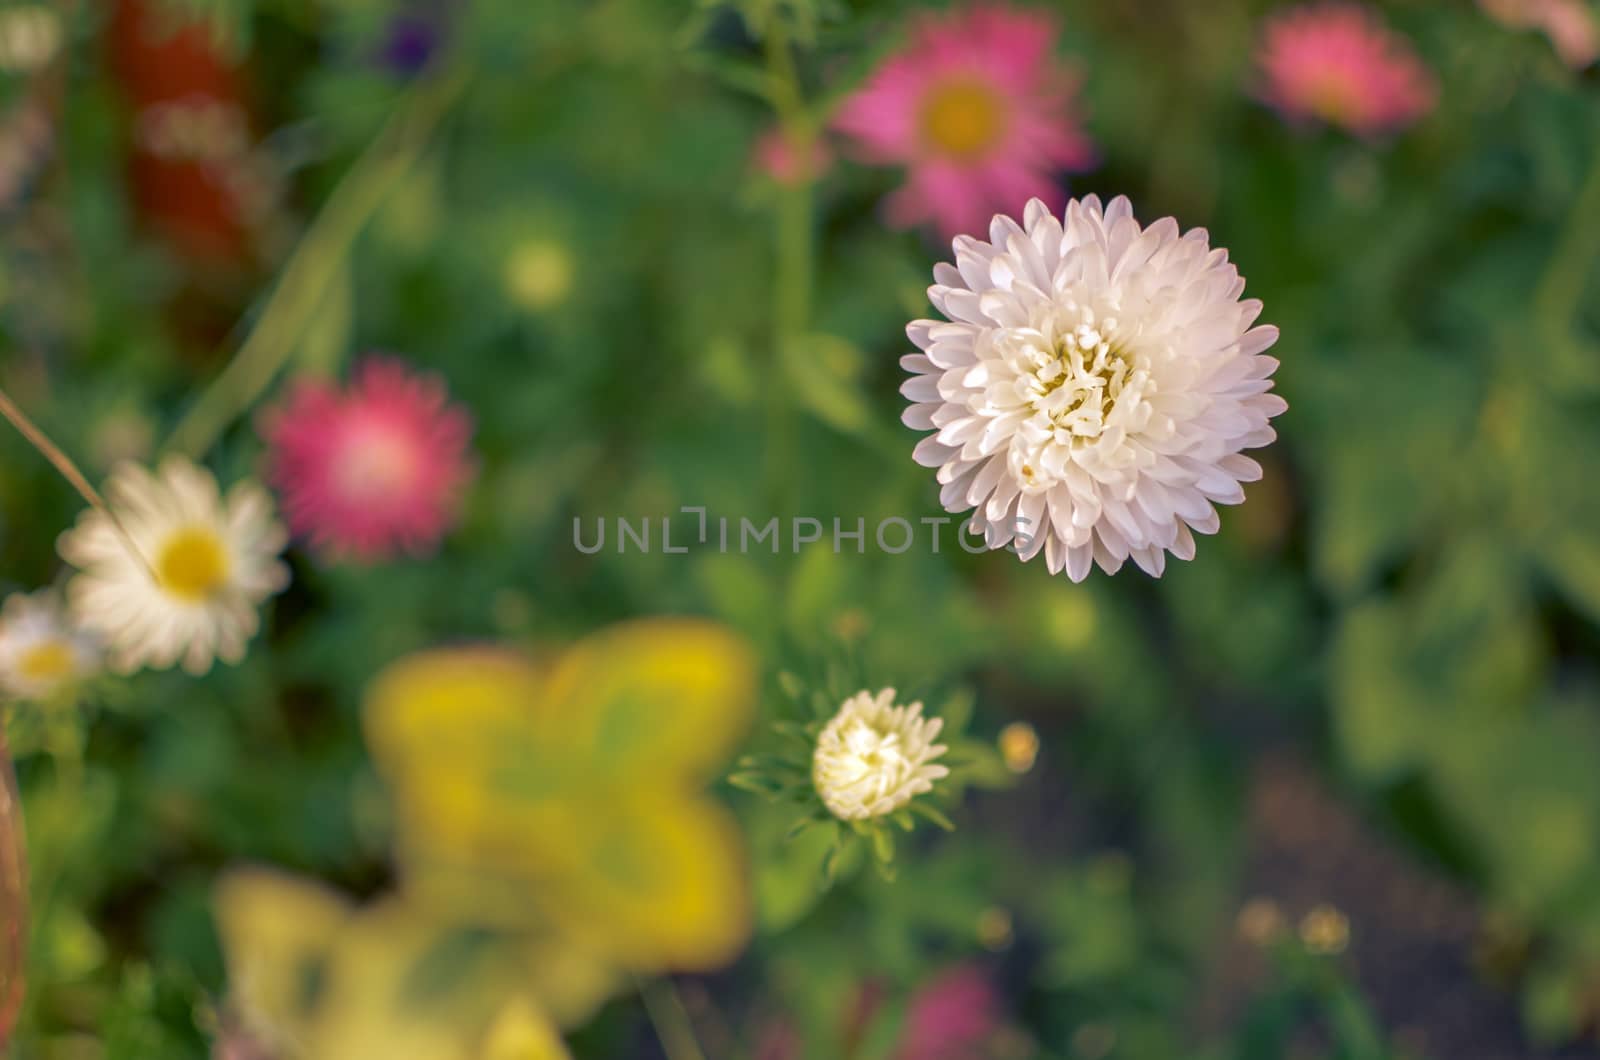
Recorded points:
(1093, 388)
(203, 565)
(41, 654)
(873, 757)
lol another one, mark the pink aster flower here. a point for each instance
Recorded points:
(373, 469)
(1571, 25)
(979, 111)
(1337, 62)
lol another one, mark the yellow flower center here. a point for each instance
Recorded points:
(1079, 382)
(1334, 98)
(962, 119)
(193, 565)
(48, 662)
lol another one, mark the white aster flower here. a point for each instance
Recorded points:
(873, 757)
(203, 565)
(1093, 388)
(41, 654)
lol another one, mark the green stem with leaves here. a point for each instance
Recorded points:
(315, 262)
(795, 255)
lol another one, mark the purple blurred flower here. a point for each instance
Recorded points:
(415, 35)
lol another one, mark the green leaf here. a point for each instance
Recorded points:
(883, 843)
(1415, 676)
(824, 372)
(926, 809)
(1385, 458)
(1570, 557)
(1555, 505)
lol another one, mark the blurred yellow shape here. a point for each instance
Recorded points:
(400, 986)
(571, 793)
(275, 932)
(1260, 921)
(520, 1033)
(539, 275)
(313, 978)
(1019, 746)
(996, 929)
(1325, 930)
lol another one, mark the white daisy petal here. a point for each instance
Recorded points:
(183, 587)
(42, 652)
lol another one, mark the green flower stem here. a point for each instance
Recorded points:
(50, 861)
(670, 1020)
(795, 265)
(314, 263)
(13, 895)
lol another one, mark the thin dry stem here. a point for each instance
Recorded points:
(69, 471)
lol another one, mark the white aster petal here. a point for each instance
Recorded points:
(873, 757)
(1096, 378)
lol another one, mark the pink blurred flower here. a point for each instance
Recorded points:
(980, 112)
(779, 157)
(373, 469)
(951, 1017)
(1337, 62)
(1571, 25)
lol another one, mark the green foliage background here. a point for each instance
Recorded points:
(1407, 608)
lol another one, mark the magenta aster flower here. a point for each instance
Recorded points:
(1338, 63)
(373, 469)
(980, 112)
(951, 1017)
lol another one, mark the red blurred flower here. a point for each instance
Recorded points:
(196, 182)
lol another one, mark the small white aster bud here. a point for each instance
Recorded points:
(874, 756)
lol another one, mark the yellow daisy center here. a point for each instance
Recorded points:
(48, 662)
(193, 565)
(962, 119)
